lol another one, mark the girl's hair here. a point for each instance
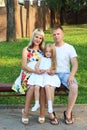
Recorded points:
(35, 32)
(53, 55)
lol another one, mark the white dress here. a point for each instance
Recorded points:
(44, 79)
(21, 82)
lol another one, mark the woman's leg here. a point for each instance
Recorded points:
(29, 98)
(37, 88)
(42, 105)
(37, 105)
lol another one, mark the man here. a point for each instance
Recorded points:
(66, 55)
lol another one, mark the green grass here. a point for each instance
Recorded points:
(10, 61)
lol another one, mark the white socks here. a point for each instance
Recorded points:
(50, 108)
(36, 106)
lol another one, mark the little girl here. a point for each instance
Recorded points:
(48, 79)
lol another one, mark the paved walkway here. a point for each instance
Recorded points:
(10, 119)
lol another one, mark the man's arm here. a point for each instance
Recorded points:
(74, 63)
(74, 69)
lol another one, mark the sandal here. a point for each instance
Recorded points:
(54, 121)
(41, 120)
(68, 121)
(25, 121)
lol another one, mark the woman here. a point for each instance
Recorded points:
(31, 53)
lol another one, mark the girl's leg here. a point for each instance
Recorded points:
(37, 105)
(50, 97)
(52, 93)
(29, 98)
(53, 118)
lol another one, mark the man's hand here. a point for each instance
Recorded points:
(70, 80)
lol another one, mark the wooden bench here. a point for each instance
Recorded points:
(4, 88)
(7, 91)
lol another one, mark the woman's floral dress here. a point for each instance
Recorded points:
(20, 84)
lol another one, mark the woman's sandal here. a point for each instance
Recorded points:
(68, 121)
(54, 121)
(25, 121)
(41, 120)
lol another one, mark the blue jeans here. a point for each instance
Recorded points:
(63, 78)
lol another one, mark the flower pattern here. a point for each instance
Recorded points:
(33, 55)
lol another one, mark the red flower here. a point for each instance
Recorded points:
(30, 54)
(25, 83)
(23, 76)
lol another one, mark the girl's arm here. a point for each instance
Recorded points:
(41, 71)
(38, 64)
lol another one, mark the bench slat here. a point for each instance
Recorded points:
(5, 88)
(61, 91)
(11, 95)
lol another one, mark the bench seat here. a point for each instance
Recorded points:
(5, 90)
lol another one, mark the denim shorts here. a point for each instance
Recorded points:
(63, 78)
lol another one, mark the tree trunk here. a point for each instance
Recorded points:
(52, 17)
(11, 32)
(76, 17)
(27, 18)
(61, 16)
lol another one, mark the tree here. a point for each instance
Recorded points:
(11, 33)
(74, 6)
(56, 7)
(61, 7)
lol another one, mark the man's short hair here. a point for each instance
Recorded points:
(58, 26)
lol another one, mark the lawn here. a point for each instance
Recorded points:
(10, 61)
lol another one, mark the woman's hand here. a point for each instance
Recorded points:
(40, 71)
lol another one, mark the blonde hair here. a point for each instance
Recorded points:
(39, 32)
(53, 55)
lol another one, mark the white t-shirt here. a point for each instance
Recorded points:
(64, 55)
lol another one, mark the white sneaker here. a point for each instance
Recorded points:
(22, 111)
(35, 107)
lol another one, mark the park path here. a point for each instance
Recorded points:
(10, 119)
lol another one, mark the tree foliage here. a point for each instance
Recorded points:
(73, 5)
(62, 6)
(55, 4)
(76, 5)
